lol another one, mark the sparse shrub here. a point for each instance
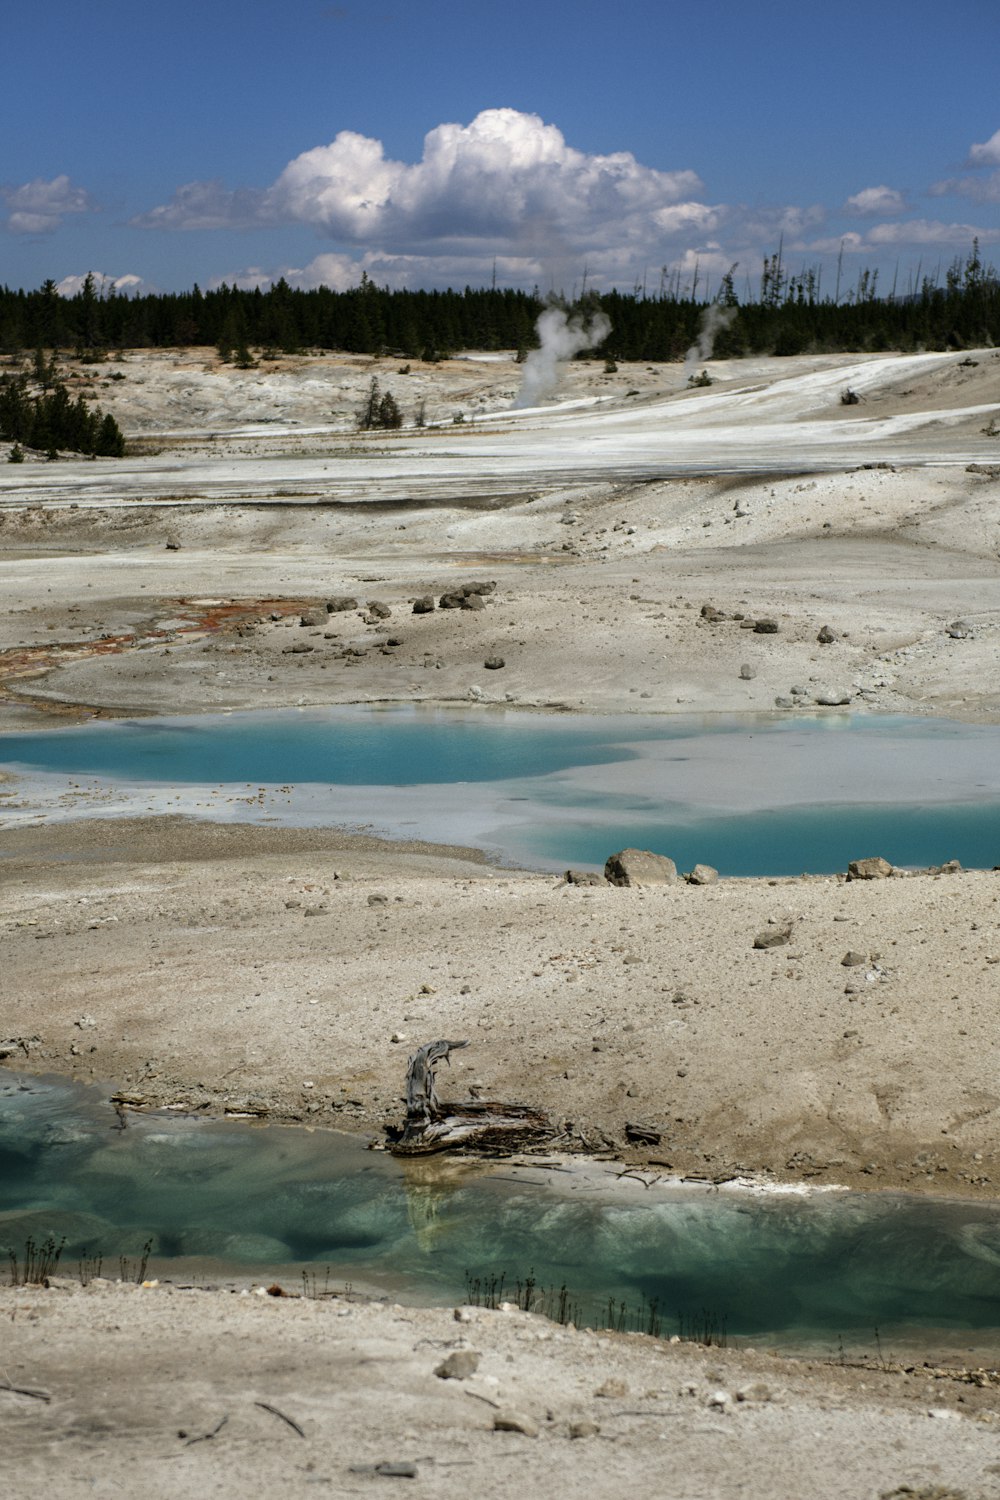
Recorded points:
(40, 1261)
(16, 454)
(849, 397)
(704, 378)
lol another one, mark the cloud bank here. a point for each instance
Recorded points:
(507, 196)
(39, 207)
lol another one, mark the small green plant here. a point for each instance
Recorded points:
(16, 454)
(89, 1268)
(40, 1261)
(313, 1289)
(849, 397)
(704, 1327)
(704, 378)
(610, 366)
(138, 1273)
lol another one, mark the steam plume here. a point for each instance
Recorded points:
(560, 337)
(713, 320)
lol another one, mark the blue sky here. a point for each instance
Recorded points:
(421, 142)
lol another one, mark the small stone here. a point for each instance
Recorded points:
(424, 605)
(719, 1400)
(638, 867)
(340, 603)
(874, 868)
(492, 663)
(378, 899)
(829, 697)
(584, 877)
(515, 1421)
(459, 1365)
(851, 959)
(612, 1389)
(473, 601)
(584, 1429)
(747, 672)
(766, 627)
(826, 636)
(703, 875)
(379, 609)
(773, 937)
(755, 1391)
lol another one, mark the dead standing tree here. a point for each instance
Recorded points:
(432, 1124)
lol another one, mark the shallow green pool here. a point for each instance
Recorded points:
(222, 1199)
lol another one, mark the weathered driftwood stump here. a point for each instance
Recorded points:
(431, 1124)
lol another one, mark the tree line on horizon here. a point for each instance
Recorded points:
(787, 314)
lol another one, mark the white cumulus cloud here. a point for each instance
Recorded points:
(986, 153)
(38, 207)
(507, 184)
(877, 200)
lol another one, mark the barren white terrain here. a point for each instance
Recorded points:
(180, 578)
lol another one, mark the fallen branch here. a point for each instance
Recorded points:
(25, 1390)
(204, 1437)
(473, 1125)
(266, 1406)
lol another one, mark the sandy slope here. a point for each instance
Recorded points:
(606, 526)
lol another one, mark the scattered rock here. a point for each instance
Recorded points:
(459, 1365)
(641, 1135)
(755, 1391)
(340, 603)
(950, 867)
(493, 663)
(299, 649)
(637, 867)
(378, 899)
(747, 672)
(584, 877)
(766, 627)
(710, 613)
(172, 546)
(826, 636)
(584, 1429)
(612, 1389)
(702, 875)
(851, 959)
(379, 609)
(831, 697)
(874, 868)
(424, 605)
(473, 601)
(515, 1421)
(774, 937)
(450, 601)
(310, 620)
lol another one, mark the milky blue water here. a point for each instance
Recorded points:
(751, 797)
(267, 1202)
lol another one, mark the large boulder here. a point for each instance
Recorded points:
(640, 867)
(875, 868)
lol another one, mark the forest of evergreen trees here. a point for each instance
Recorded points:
(787, 315)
